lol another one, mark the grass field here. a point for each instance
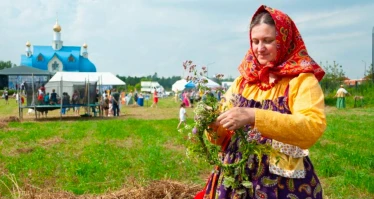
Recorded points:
(98, 156)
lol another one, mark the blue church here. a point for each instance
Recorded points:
(56, 57)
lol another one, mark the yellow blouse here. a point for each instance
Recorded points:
(291, 134)
(307, 122)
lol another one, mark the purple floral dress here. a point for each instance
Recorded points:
(265, 184)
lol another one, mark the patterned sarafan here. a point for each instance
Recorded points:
(292, 57)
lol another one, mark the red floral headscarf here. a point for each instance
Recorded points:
(292, 57)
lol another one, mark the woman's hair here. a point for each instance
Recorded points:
(262, 17)
(183, 104)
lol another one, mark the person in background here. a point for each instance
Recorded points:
(40, 96)
(191, 96)
(110, 110)
(23, 87)
(106, 105)
(182, 115)
(42, 89)
(26, 87)
(176, 96)
(75, 101)
(136, 96)
(186, 98)
(53, 97)
(155, 98)
(65, 101)
(96, 101)
(6, 96)
(277, 97)
(17, 97)
(115, 102)
(340, 95)
(46, 99)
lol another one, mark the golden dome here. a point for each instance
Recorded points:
(84, 45)
(57, 27)
(28, 44)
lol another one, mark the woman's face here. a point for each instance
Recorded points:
(264, 44)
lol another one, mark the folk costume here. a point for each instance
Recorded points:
(289, 108)
(340, 95)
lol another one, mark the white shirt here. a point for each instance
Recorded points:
(182, 114)
(342, 90)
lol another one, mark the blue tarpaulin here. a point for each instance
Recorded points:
(190, 84)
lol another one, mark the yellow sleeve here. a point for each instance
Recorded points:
(307, 122)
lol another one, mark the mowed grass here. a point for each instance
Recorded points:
(344, 157)
(94, 156)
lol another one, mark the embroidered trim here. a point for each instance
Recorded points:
(293, 151)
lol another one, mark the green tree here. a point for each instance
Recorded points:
(370, 74)
(138, 86)
(6, 64)
(155, 76)
(333, 78)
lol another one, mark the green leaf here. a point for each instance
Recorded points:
(247, 184)
(228, 182)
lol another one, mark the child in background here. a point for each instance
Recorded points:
(46, 99)
(182, 114)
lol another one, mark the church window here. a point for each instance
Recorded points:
(55, 66)
(71, 58)
(40, 57)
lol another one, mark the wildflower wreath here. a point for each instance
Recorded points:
(206, 112)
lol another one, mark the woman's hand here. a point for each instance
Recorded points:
(237, 117)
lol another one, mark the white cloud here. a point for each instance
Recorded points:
(334, 17)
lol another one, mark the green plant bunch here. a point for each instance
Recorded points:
(206, 112)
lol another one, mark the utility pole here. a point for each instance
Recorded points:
(207, 69)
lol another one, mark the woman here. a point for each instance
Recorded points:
(340, 95)
(155, 98)
(186, 98)
(75, 100)
(278, 96)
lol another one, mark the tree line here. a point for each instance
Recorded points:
(133, 83)
(334, 76)
(6, 64)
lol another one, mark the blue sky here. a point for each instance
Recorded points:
(141, 37)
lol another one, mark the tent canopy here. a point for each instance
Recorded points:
(211, 84)
(71, 79)
(24, 70)
(182, 84)
(179, 85)
(104, 78)
(149, 86)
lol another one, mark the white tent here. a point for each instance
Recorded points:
(179, 85)
(105, 78)
(149, 86)
(226, 84)
(211, 83)
(68, 79)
